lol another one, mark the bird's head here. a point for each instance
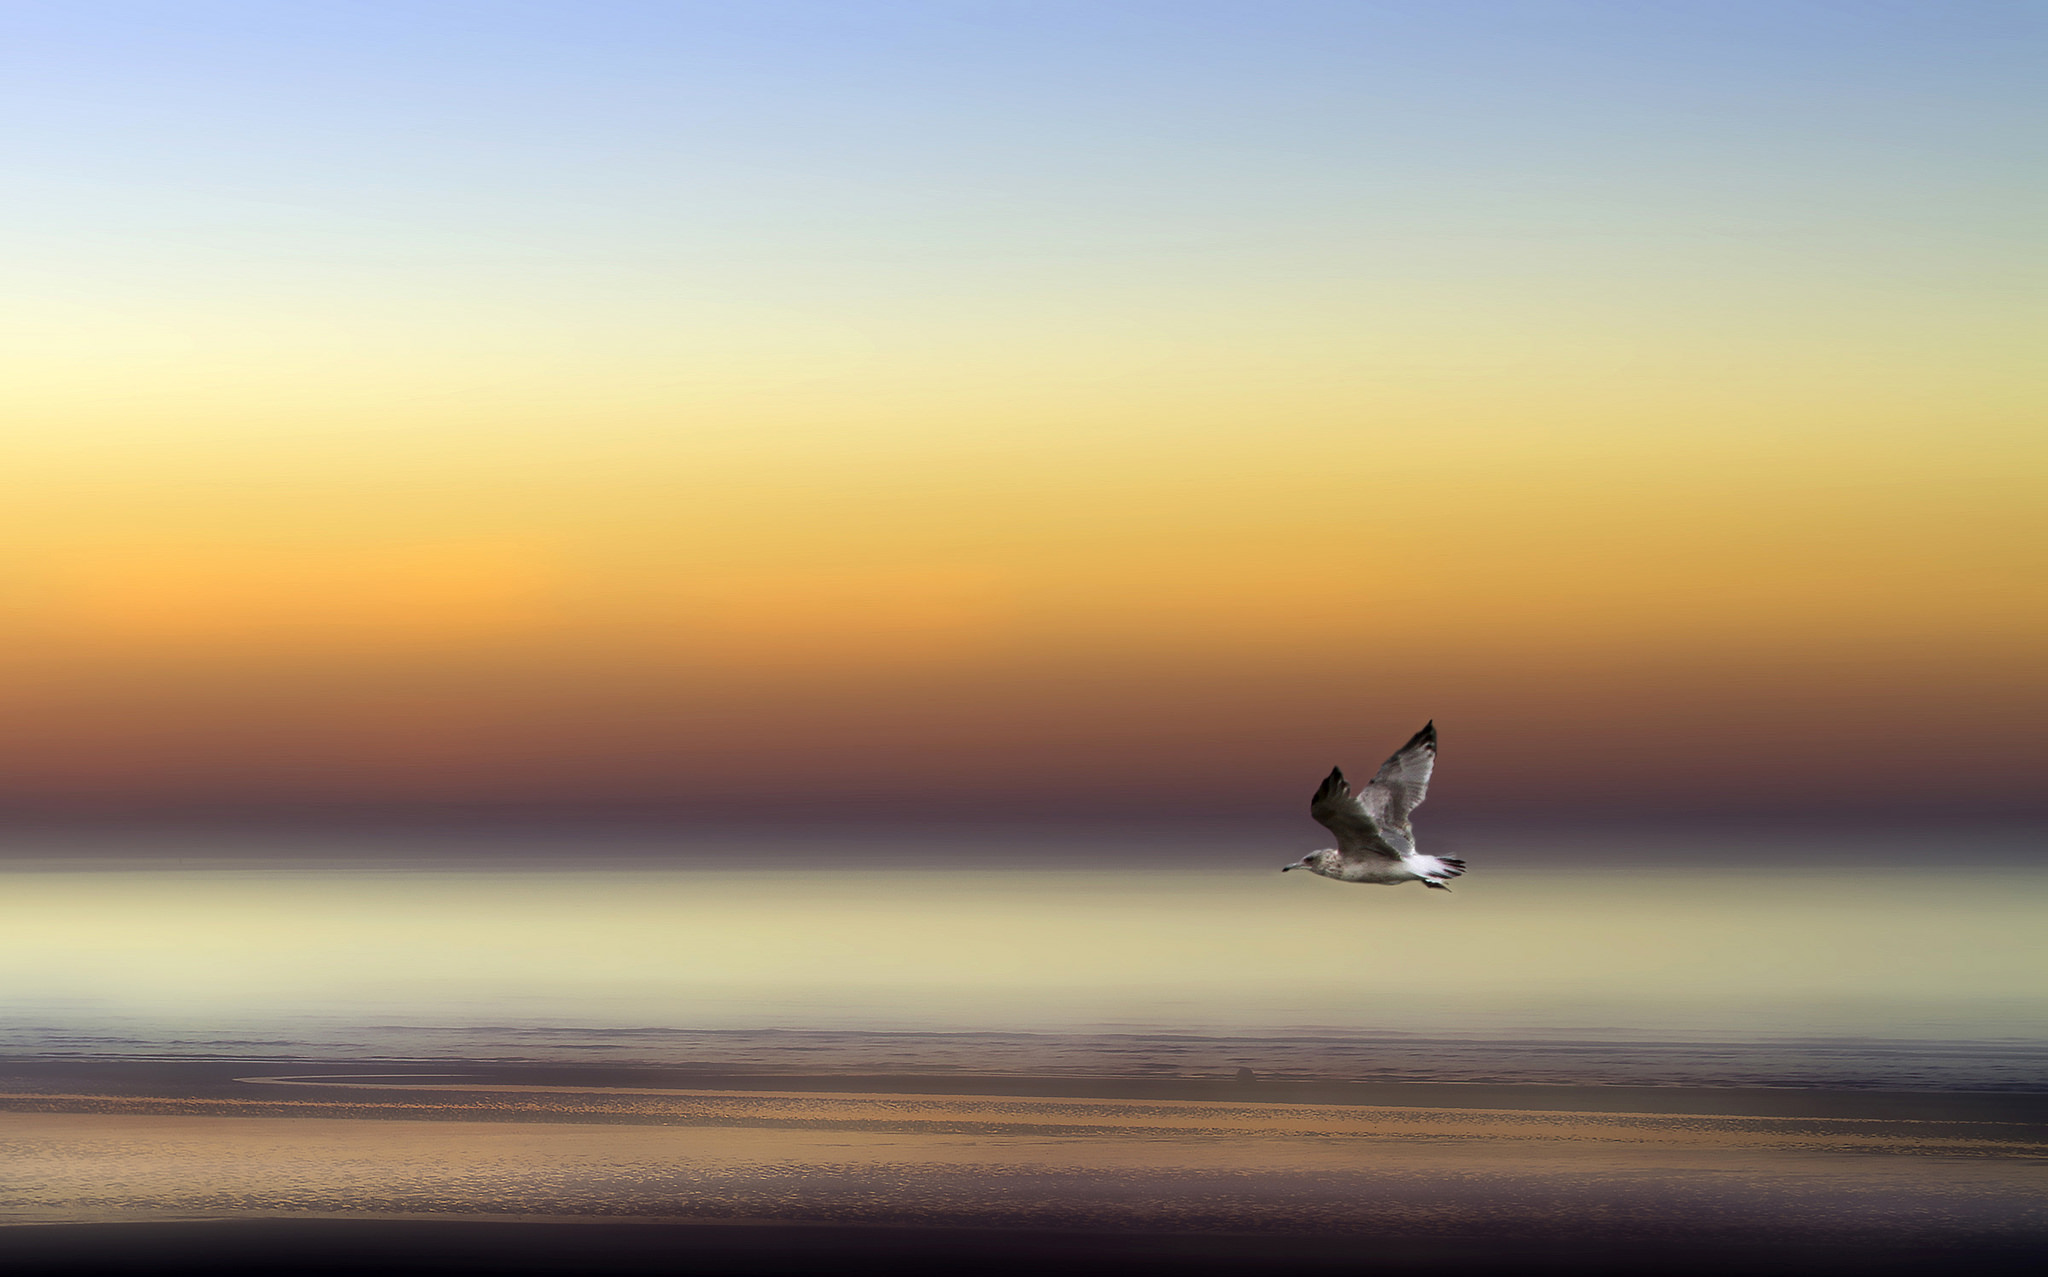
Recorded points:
(1312, 861)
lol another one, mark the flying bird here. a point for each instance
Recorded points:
(1375, 843)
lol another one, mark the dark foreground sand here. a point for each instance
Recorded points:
(312, 1167)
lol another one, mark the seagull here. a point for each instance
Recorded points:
(1374, 842)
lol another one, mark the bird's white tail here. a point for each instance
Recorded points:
(1438, 870)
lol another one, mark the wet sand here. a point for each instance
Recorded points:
(520, 1168)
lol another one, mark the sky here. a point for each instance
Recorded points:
(882, 412)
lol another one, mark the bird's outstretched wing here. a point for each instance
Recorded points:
(1402, 783)
(1337, 809)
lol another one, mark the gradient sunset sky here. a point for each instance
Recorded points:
(1039, 408)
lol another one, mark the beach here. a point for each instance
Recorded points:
(667, 1065)
(562, 1168)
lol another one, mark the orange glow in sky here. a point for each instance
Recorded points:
(581, 450)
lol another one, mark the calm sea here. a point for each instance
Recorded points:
(1814, 971)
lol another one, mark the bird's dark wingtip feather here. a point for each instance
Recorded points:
(1332, 784)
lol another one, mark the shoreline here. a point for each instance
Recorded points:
(326, 1166)
(256, 1079)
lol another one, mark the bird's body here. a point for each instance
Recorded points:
(1430, 871)
(1375, 842)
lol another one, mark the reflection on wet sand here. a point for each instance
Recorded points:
(436, 1147)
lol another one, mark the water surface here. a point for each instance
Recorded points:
(1614, 971)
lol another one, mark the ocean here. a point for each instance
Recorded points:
(1639, 969)
(1653, 1055)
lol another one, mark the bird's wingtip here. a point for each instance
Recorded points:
(1334, 783)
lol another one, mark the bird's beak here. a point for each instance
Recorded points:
(1285, 868)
